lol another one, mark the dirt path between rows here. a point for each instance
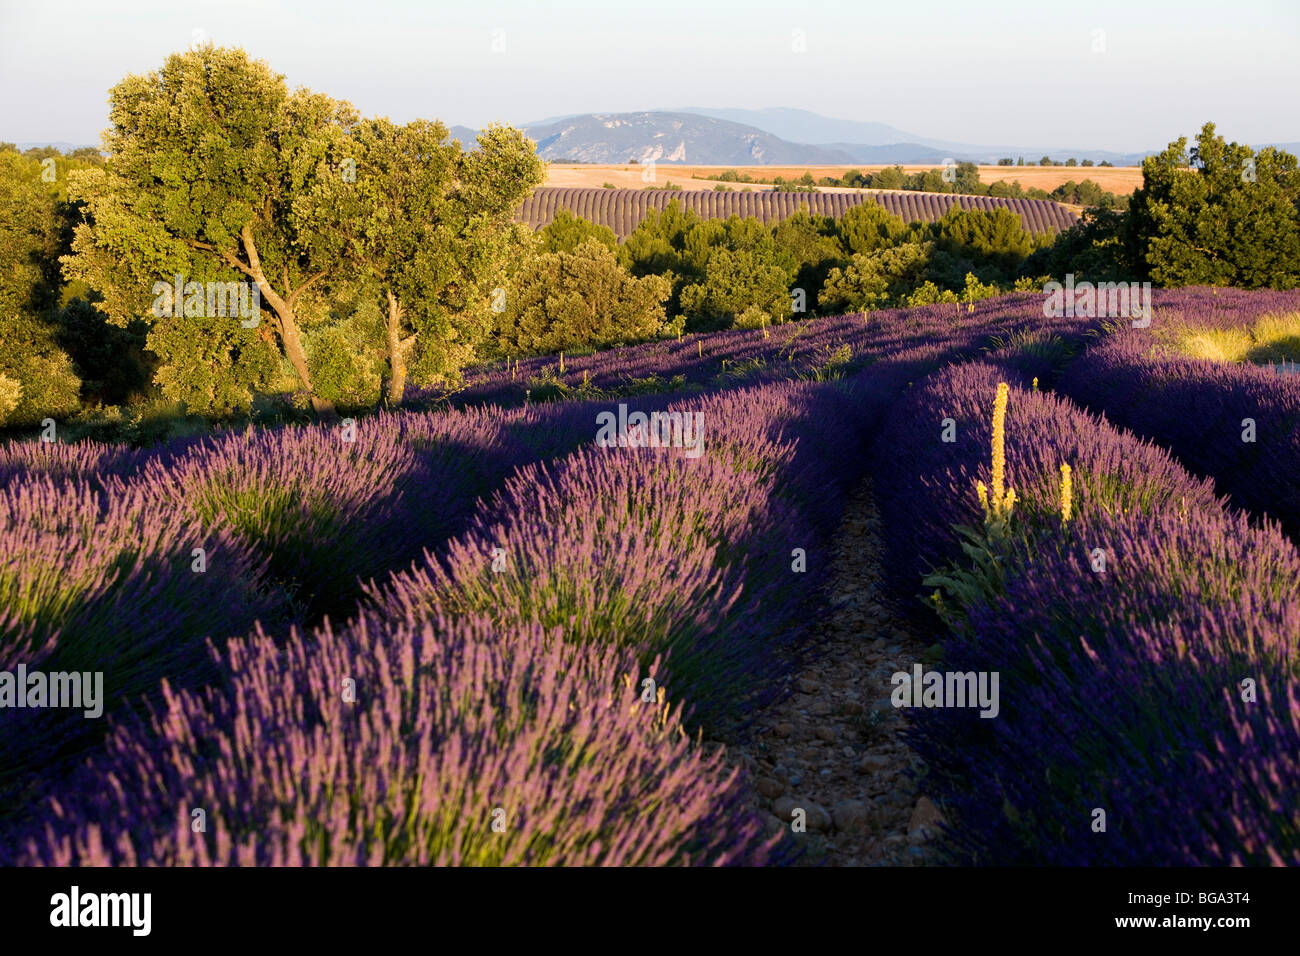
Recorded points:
(832, 747)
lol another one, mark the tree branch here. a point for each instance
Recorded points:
(293, 296)
(226, 257)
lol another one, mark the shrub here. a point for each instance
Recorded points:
(580, 299)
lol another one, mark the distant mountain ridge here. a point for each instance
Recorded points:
(670, 138)
(776, 136)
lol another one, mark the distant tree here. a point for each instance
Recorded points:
(1045, 161)
(876, 279)
(1179, 214)
(966, 180)
(807, 249)
(88, 154)
(891, 177)
(1005, 161)
(1020, 161)
(867, 227)
(1105, 162)
(804, 184)
(1006, 190)
(1072, 162)
(1086, 162)
(580, 299)
(566, 232)
(1098, 246)
(996, 237)
(737, 279)
(930, 181)
(657, 246)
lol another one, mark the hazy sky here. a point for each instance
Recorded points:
(976, 71)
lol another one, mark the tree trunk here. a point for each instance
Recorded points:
(288, 323)
(396, 353)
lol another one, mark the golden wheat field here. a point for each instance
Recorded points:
(1116, 179)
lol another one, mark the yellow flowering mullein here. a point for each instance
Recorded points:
(998, 509)
(1035, 383)
(1067, 495)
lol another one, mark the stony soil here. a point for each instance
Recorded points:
(832, 746)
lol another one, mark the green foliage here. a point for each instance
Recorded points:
(658, 246)
(30, 356)
(584, 298)
(1099, 246)
(112, 362)
(210, 159)
(11, 393)
(807, 248)
(979, 578)
(867, 227)
(877, 279)
(427, 229)
(737, 279)
(753, 318)
(212, 366)
(997, 235)
(1179, 215)
(804, 184)
(830, 364)
(927, 293)
(29, 237)
(342, 373)
(566, 232)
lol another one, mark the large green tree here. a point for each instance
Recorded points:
(1226, 215)
(209, 159)
(430, 226)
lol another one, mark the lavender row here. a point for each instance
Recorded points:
(1238, 424)
(806, 349)
(705, 559)
(935, 445)
(440, 743)
(108, 584)
(1146, 646)
(485, 694)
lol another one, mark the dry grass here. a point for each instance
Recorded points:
(1274, 338)
(1116, 179)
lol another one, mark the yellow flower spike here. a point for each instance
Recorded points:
(1035, 383)
(983, 492)
(1067, 494)
(999, 441)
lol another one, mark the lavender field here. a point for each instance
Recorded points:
(476, 631)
